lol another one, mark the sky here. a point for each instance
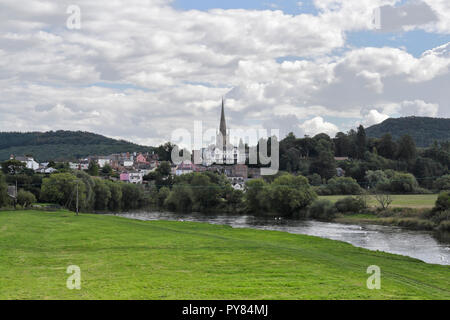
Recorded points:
(141, 69)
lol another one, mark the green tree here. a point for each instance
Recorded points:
(406, 148)
(401, 182)
(289, 194)
(235, 199)
(180, 198)
(107, 170)
(342, 145)
(60, 188)
(164, 168)
(376, 179)
(322, 210)
(115, 200)
(324, 165)
(426, 170)
(205, 194)
(361, 142)
(256, 195)
(132, 196)
(25, 198)
(102, 194)
(290, 160)
(13, 166)
(89, 184)
(165, 151)
(162, 195)
(315, 179)
(350, 205)
(93, 169)
(341, 186)
(387, 147)
(443, 202)
(443, 183)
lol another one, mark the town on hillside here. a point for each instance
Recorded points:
(221, 157)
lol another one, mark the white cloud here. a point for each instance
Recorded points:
(166, 68)
(419, 108)
(318, 125)
(442, 10)
(374, 117)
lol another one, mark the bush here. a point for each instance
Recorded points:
(414, 224)
(340, 186)
(350, 205)
(443, 183)
(443, 202)
(402, 183)
(444, 226)
(315, 179)
(25, 198)
(376, 179)
(439, 216)
(322, 210)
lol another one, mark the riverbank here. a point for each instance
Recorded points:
(414, 201)
(413, 219)
(129, 259)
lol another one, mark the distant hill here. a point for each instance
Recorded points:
(423, 130)
(62, 145)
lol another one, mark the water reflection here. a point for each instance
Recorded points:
(416, 244)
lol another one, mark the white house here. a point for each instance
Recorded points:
(29, 162)
(46, 170)
(238, 183)
(128, 163)
(83, 165)
(132, 177)
(136, 177)
(185, 167)
(103, 161)
(74, 166)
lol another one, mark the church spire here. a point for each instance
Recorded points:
(223, 124)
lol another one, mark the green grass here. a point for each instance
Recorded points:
(419, 201)
(128, 259)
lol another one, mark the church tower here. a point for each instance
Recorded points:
(223, 127)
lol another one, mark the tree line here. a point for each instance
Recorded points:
(318, 157)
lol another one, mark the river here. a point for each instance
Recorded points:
(417, 244)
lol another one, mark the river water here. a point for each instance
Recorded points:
(417, 244)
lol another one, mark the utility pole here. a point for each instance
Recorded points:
(77, 197)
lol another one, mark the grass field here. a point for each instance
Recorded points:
(128, 259)
(418, 201)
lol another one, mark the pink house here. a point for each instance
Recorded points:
(141, 158)
(124, 177)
